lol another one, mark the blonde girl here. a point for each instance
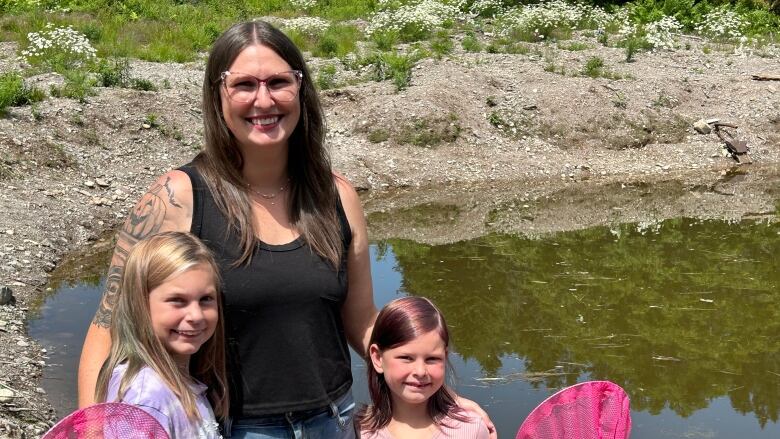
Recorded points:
(408, 354)
(167, 338)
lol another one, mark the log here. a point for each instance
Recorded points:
(766, 77)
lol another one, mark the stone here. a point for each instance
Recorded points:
(7, 296)
(702, 127)
(6, 395)
(89, 183)
(102, 182)
(22, 343)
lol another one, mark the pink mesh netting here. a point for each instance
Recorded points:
(589, 410)
(111, 420)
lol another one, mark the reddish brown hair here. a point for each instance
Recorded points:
(398, 323)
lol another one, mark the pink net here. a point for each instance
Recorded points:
(111, 420)
(589, 410)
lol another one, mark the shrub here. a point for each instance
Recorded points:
(556, 17)
(395, 66)
(441, 44)
(722, 24)
(61, 49)
(78, 85)
(114, 73)
(470, 43)
(429, 132)
(142, 84)
(662, 34)
(326, 77)
(13, 92)
(413, 22)
(593, 67)
(378, 136)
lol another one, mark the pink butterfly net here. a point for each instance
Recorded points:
(111, 420)
(589, 410)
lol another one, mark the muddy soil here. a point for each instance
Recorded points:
(478, 143)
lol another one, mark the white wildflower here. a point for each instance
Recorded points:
(555, 14)
(303, 4)
(489, 8)
(307, 25)
(662, 34)
(426, 15)
(65, 44)
(722, 23)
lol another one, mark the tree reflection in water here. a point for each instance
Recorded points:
(677, 313)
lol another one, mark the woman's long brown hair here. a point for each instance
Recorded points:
(312, 190)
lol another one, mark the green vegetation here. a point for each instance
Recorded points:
(78, 85)
(394, 66)
(326, 77)
(430, 131)
(595, 68)
(470, 43)
(14, 93)
(88, 41)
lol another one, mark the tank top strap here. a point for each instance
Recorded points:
(198, 188)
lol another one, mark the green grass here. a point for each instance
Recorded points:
(394, 66)
(470, 43)
(441, 44)
(78, 85)
(182, 30)
(430, 131)
(14, 93)
(326, 77)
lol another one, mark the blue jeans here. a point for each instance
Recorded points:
(335, 422)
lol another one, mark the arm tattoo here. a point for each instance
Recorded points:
(170, 194)
(145, 219)
(110, 297)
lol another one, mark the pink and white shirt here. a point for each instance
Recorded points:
(473, 428)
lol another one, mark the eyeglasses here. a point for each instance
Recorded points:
(243, 87)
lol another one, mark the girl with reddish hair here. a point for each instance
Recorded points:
(408, 353)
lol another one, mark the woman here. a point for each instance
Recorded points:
(289, 236)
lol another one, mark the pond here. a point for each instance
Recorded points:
(683, 314)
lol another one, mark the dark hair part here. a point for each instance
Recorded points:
(398, 323)
(312, 190)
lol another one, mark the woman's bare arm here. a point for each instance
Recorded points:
(167, 205)
(359, 311)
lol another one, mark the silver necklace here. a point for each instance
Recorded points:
(270, 196)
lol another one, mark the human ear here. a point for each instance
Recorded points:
(376, 358)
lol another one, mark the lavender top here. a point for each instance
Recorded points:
(473, 428)
(150, 393)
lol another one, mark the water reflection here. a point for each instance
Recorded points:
(683, 314)
(678, 313)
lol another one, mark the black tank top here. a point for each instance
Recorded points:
(286, 346)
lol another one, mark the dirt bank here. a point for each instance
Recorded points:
(478, 143)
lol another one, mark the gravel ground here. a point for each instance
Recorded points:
(521, 149)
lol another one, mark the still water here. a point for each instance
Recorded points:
(683, 314)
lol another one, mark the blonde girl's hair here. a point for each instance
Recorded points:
(152, 262)
(312, 190)
(398, 323)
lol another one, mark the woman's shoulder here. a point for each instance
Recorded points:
(166, 205)
(350, 201)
